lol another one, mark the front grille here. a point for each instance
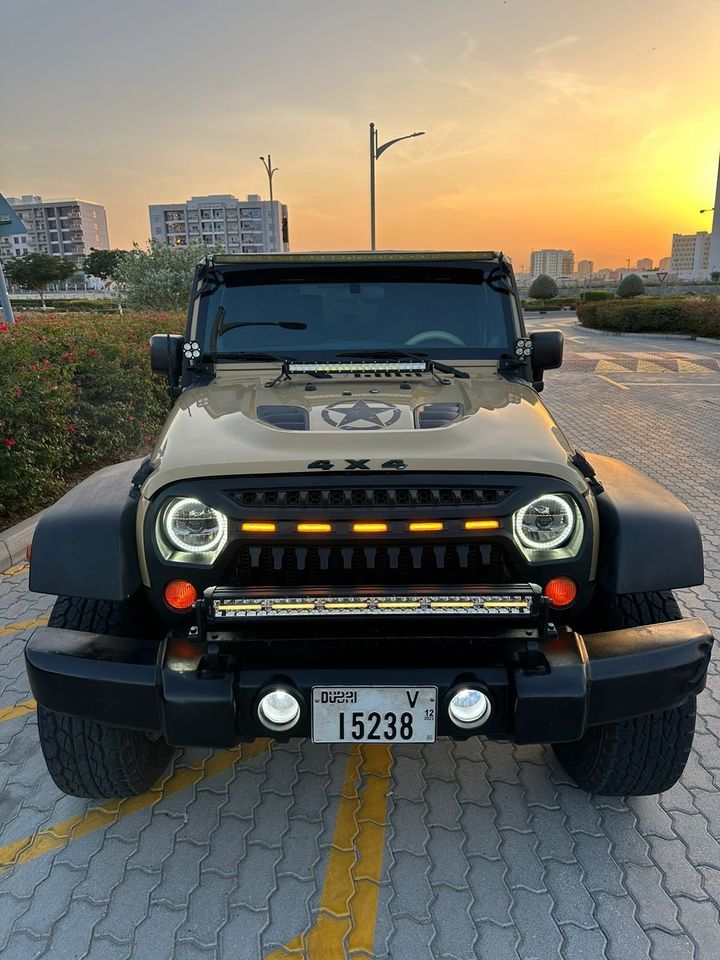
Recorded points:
(367, 566)
(415, 496)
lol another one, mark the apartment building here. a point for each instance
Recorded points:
(237, 226)
(644, 263)
(585, 268)
(64, 228)
(555, 263)
(690, 255)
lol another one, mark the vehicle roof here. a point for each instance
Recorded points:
(356, 256)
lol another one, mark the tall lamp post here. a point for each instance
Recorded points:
(375, 153)
(270, 170)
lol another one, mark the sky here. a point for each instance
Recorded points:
(593, 126)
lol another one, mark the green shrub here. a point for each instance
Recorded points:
(696, 316)
(630, 286)
(68, 306)
(587, 296)
(543, 287)
(77, 393)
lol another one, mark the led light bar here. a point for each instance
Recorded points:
(490, 604)
(373, 366)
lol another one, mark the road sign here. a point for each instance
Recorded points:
(10, 223)
(662, 275)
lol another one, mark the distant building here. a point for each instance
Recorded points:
(645, 263)
(238, 226)
(555, 263)
(63, 228)
(690, 256)
(665, 264)
(584, 268)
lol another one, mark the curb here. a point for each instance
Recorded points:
(651, 336)
(14, 541)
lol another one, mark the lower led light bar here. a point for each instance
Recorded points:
(490, 604)
(372, 366)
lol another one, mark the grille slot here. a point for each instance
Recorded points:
(366, 566)
(370, 496)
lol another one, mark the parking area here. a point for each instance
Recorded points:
(442, 852)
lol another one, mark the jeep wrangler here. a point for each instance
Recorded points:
(361, 524)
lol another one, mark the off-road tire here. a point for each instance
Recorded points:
(643, 755)
(90, 759)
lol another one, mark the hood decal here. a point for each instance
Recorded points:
(361, 415)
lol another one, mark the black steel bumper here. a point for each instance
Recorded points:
(573, 682)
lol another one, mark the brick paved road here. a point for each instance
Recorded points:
(466, 850)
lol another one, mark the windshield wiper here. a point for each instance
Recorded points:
(285, 324)
(406, 355)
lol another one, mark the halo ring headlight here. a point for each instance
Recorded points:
(545, 523)
(193, 527)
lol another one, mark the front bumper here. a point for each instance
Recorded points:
(199, 696)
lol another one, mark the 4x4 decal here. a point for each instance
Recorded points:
(357, 465)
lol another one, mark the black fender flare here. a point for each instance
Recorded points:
(649, 540)
(85, 545)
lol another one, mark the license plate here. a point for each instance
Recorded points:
(374, 714)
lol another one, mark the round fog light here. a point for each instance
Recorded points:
(469, 707)
(279, 709)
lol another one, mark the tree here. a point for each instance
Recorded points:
(103, 263)
(630, 286)
(160, 277)
(715, 276)
(35, 271)
(543, 287)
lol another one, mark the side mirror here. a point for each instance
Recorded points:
(166, 356)
(547, 354)
(166, 353)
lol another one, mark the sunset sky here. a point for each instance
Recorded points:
(594, 126)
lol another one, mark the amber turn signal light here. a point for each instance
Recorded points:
(561, 591)
(482, 524)
(180, 595)
(369, 528)
(425, 526)
(314, 528)
(258, 527)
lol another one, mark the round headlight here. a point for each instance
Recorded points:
(546, 523)
(193, 527)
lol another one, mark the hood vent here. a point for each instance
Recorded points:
(283, 415)
(437, 414)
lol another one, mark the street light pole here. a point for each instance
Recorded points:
(375, 154)
(270, 170)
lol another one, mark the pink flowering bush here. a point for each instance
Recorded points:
(76, 392)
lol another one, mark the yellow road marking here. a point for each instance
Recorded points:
(609, 366)
(686, 366)
(20, 568)
(648, 366)
(345, 925)
(98, 818)
(19, 710)
(609, 380)
(22, 625)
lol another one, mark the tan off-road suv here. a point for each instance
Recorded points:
(361, 524)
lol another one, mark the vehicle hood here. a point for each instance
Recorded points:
(239, 425)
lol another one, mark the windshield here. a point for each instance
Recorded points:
(449, 316)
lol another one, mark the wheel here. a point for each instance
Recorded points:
(90, 759)
(642, 755)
